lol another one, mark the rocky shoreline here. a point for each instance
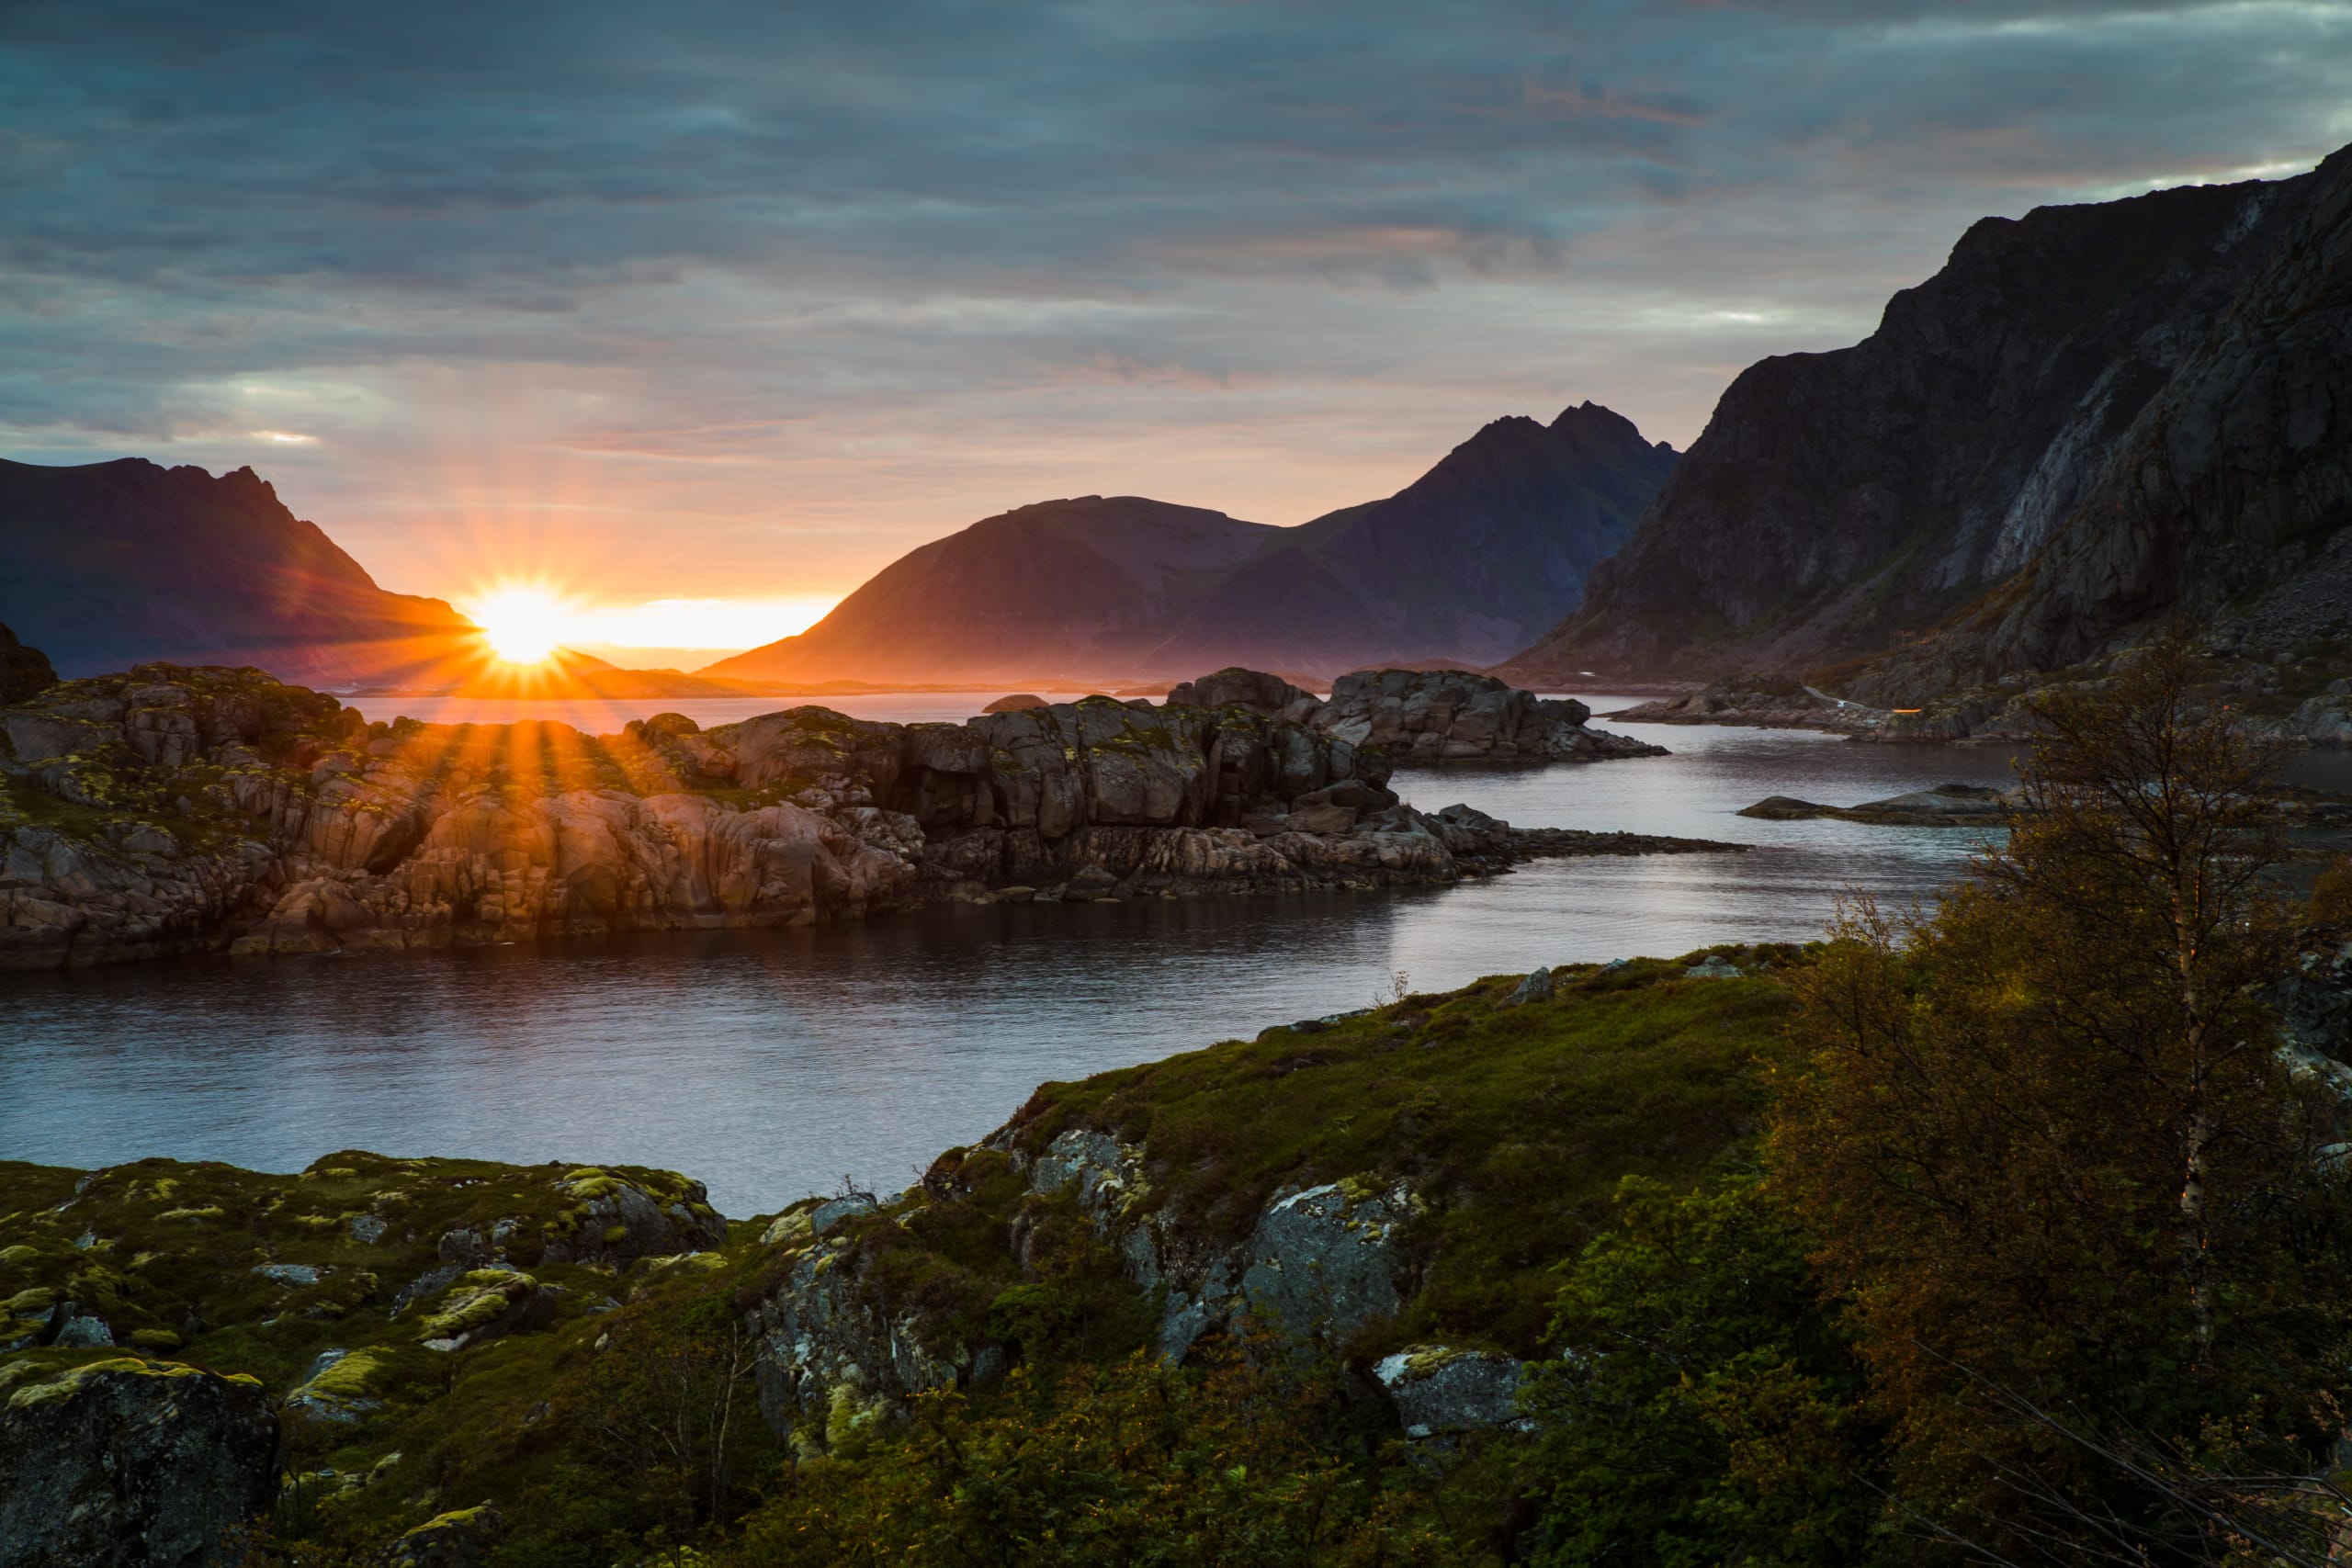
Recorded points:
(173, 810)
(2299, 706)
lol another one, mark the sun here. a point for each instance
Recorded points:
(523, 623)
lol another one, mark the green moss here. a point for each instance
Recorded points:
(70, 1383)
(480, 1297)
(354, 1376)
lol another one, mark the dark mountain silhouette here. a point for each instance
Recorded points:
(1462, 566)
(2094, 418)
(1060, 588)
(111, 564)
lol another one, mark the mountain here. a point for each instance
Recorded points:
(1464, 565)
(2094, 418)
(1062, 587)
(111, 564)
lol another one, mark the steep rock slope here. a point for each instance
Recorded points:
(1469, 562)
(1062, 587)
(108, 564)
(1466, 563)
(2093, 416)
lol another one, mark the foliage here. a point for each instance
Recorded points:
(1131, 1463)
(1704, 1406)
(2049, 1154)
(2331, 897)
(665, 1417)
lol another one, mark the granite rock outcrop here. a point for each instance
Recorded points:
(1318, 1265)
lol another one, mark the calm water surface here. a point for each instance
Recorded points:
(772, 1064)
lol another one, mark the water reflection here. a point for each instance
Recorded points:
(772, 1064)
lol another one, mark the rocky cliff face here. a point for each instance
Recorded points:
(1467, 563)
(174, 811)
(2094, 417)
(111, 564)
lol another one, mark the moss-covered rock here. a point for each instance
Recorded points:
(123, 1462)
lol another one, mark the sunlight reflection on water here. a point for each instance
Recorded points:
(771, 1064)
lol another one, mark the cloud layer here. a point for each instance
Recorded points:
(741, 300)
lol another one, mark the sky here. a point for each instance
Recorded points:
(699, 313)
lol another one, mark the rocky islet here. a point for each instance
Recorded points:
(171, 810)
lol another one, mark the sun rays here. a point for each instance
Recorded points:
(525, 622)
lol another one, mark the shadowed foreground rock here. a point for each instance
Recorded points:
(171, 809)
(24, 672)
(132, 1464)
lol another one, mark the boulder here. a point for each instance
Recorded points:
(490, 1303)
(617, 1221)
(132, 1464)
(1014, 704)
(1253, 690)
(462, 1539)
(1439, 1392)
(1536, 987)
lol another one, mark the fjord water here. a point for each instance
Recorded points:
(773, 1064)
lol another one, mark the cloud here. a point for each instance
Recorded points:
(755, 296)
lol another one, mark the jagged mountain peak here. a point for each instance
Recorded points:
(2094, 416)
(1464, 564)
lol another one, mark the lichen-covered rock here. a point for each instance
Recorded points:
(1437, 1391)
(132, 1464)
(1319, 1266)
(618, 1220)
(1536, 987)
(488, 1303)
(831, 1360)
(461, 1539)
(339, 1386)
